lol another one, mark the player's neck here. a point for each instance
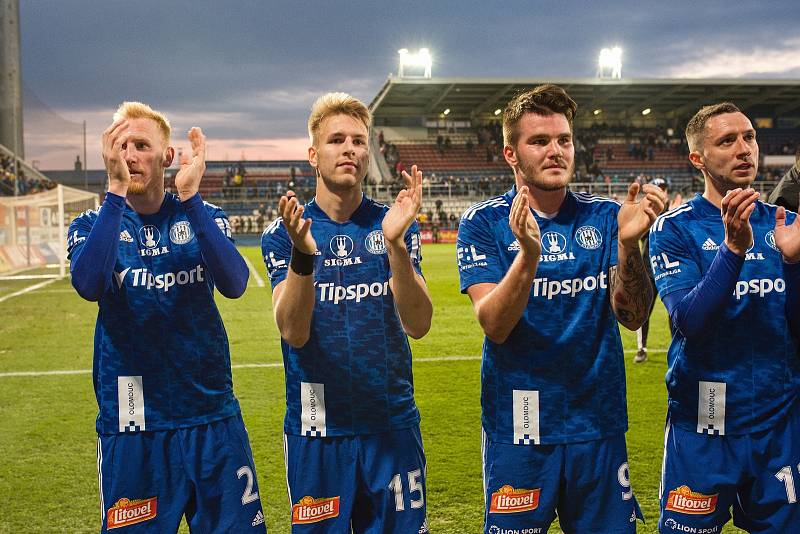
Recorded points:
(146, 203)
(545, 201)
(338, 205)
(715, 191)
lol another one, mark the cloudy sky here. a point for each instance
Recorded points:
(247, 71)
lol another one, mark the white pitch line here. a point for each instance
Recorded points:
(271, 365)
(28, 289)
(259, 280)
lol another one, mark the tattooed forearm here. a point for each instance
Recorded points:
(631, 292)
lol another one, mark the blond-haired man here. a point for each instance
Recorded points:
(346, 293)
(171, 440)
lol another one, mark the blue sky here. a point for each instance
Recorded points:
(248, 71)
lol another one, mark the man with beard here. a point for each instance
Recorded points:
(347, 292)
(171, 440)
(550, 273)
(727, 267)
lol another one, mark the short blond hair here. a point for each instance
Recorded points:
(137, 110)
(336, 104)
(696, 128)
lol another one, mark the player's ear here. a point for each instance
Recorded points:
(510, 154)
(696, 159)
(312, 156)
(169, 155)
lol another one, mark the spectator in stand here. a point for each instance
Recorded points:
(447, 143)
(440, 143)
(469, 146)
(787, 192)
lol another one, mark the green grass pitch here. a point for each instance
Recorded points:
(48, 479)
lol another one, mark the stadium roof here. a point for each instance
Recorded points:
(619, 100)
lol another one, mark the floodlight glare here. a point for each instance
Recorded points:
(447, 111)
(422, 59)
(598, 111)
(646, 111)
(498, 111)
(610, 63)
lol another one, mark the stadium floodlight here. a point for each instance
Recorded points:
(422, 59)
(446, 112)
(598, 111)
(498, 111)
(610, 64)
(646, 111)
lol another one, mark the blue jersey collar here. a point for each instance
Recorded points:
(566, 209)
(313, 210)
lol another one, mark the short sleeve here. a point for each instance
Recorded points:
(674, 266)
(477, 253)
(276, 249)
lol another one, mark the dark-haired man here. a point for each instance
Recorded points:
(550, 273)
(727, 267)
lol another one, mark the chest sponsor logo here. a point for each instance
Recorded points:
(341, 246)
(686, 501)
(144, 278)
(769, 238)
(311, 510)
(375, 243)
(125, 236)
(330, 292)
(711, 408)
(181, 233)
(545, 287)
(150, 238)
(468, 257)
(589, 237)
(758, 286)
(508, 500)
(127, 512)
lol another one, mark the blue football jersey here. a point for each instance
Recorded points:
(353, 376)
(560, 375)
(161, 357)
(743, 374)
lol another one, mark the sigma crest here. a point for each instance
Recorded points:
(554, 247)
(342, 247)
(150, 238)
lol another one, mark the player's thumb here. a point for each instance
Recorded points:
(633, 190)
(780, 217)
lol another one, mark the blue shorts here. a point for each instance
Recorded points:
(374, 483)
(758, 475)
(149, 480)
(586, 483)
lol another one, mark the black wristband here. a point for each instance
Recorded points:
(302, 263)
